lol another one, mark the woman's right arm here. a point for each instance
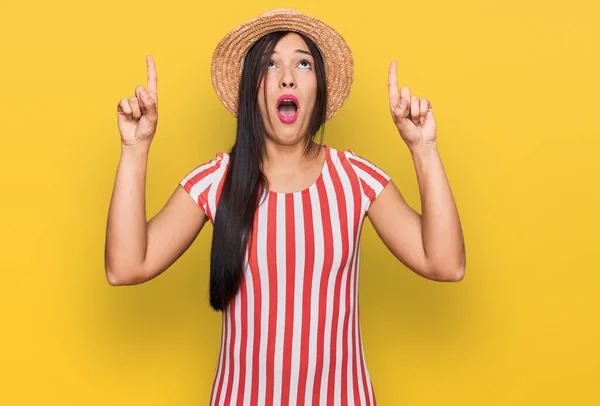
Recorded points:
(137, 250)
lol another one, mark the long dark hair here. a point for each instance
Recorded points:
(244, 179)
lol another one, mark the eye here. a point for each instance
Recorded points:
(271, 64)
(306, 63)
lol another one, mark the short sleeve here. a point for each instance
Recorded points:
(372, 178)
(204, 183)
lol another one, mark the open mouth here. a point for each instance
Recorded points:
(287, 108)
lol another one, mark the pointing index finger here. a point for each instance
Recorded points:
(152, 77)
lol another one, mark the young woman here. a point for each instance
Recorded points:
(287, 214)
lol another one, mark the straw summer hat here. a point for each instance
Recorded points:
(228, 58)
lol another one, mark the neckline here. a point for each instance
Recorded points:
(312, 185)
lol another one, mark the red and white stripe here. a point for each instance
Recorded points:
(292, 334)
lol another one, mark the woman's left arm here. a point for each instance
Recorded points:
(430, 244)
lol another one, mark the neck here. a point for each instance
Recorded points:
(290, 158)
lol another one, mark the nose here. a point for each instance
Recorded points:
(287, 80)
(287, 83)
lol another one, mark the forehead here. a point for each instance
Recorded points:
(290, 42)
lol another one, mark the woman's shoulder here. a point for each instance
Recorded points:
(204, 182)
(338, 154)
(357, 161)
(221, 157)
(208, 170)
(372, 178)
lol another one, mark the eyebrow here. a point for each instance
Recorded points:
(300, 51)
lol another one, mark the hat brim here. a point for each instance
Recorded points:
(228, 57)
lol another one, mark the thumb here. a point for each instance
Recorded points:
(429, 114)
(150, 108)
(400, 113)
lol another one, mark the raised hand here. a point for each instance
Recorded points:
(413, 117)
(137, 117)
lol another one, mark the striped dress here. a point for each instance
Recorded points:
(292, 334)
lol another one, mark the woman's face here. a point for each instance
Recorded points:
(291, 89)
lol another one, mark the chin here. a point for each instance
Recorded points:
(287, 139)
(286, 134)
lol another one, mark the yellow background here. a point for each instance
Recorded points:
(514, 86)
